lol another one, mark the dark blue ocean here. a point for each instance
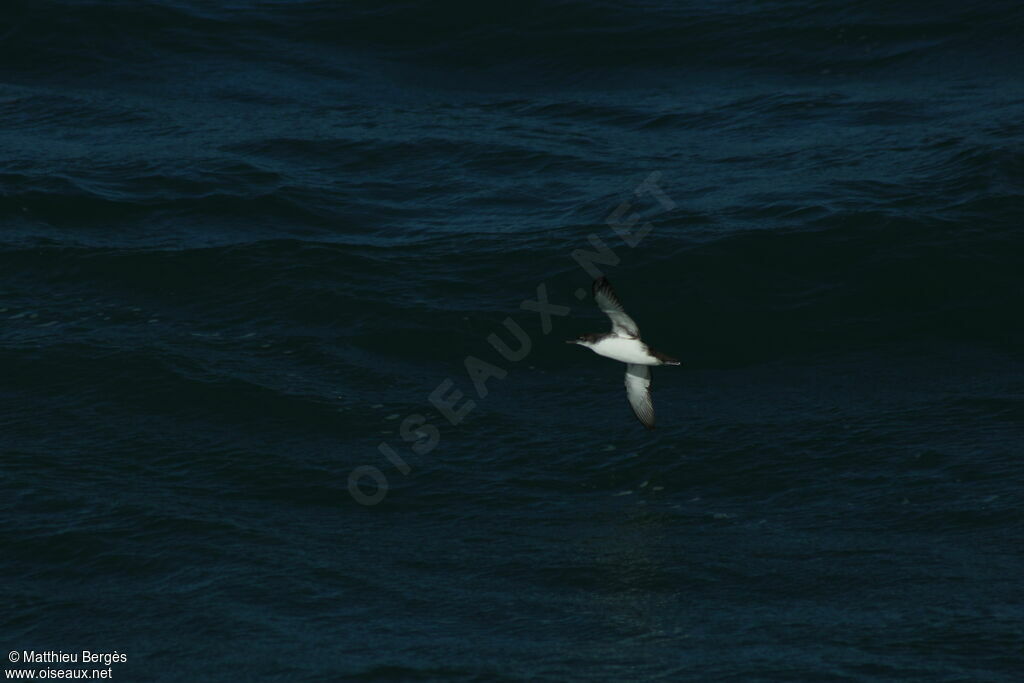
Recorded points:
(284, 291)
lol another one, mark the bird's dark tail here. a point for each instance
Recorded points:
(666, 360)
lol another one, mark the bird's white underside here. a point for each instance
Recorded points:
(625, 350)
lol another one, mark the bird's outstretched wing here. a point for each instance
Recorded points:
(604, 295)
(638, 391)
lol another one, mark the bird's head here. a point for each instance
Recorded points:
(583, 340)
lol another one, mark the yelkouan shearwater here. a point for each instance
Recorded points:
(623, 344)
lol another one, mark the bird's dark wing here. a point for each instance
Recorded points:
(610, 305)
(638, 391)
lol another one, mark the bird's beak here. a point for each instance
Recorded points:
(570, 341)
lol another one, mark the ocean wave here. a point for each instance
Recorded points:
(565, 36)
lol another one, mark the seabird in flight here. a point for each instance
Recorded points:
(623, 344)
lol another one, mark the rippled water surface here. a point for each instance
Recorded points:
(243, 243)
